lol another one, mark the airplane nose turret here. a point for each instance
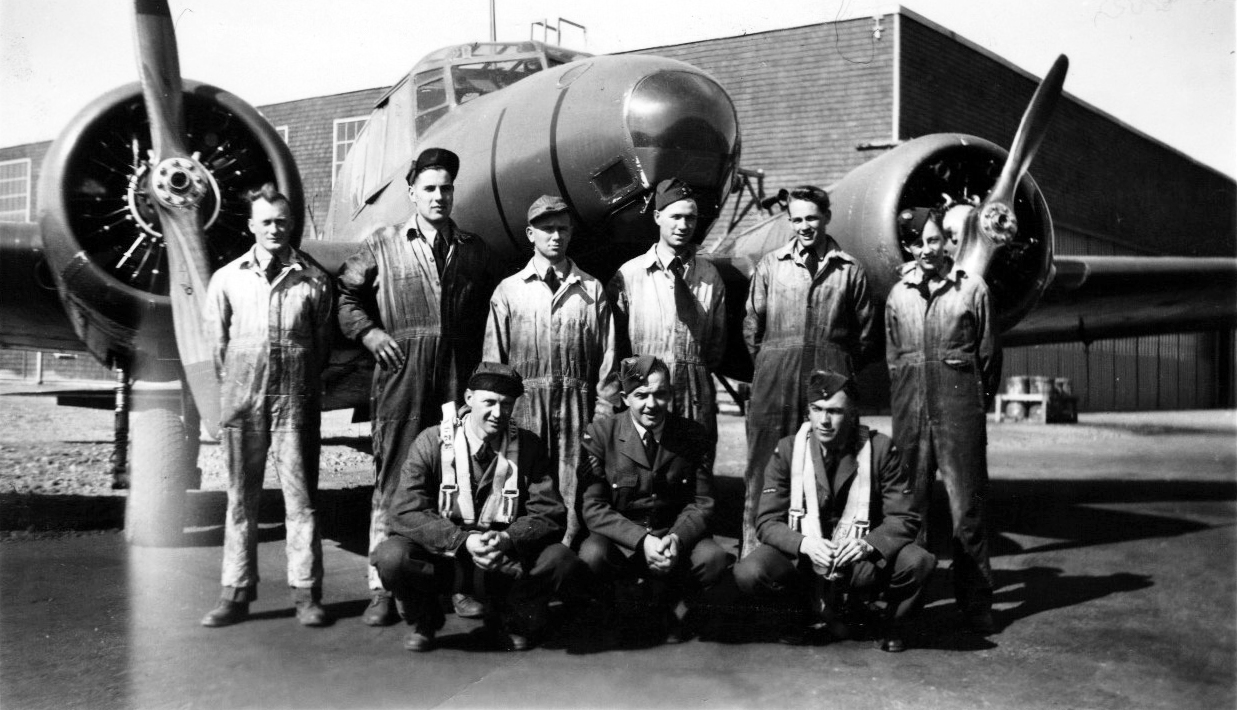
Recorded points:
(683, 125)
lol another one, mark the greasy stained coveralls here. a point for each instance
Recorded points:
(678, 320)
(797, 323)
(393, 283)
(941, 351)
(271, 341)
(563, 345)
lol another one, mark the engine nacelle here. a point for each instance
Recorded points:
(102, 235)
(920, 173)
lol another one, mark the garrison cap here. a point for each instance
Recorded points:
(823, 384)
(545, 205)
(671, 191)
(497, 377)
(634, 371)
(435, 158)
(911, 222)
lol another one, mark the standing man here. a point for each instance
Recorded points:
(268, 314)
(672, 305)
(647, 480)
(415, 296)
(837, 517)
(551, 321)
(941, 350)
(476, 499)
(807, 309)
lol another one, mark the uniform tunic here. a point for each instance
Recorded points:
(686, 328)
(563, 345)
(941, 347)
(797, 323)
(271, 341)
(392, 283)
(776, 569)
(425, 551)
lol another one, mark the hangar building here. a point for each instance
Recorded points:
(816, 101)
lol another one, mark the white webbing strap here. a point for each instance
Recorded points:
(455, 495)
(804, 513)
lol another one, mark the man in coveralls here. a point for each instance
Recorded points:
(941, 350)
(268, 314)
(647, 480)
(551, 322)
(415, 295)
(836, 501)
(808, 308)
(672, 305)
(476, 498)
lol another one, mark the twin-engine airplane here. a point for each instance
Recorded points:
(142, 199)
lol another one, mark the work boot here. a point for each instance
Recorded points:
(504, 638)
(978, 619)
(420, 639)
(467, 606)
(309, 611)
(226, 613)
(380, 611)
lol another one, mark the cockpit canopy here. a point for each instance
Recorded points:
(449, 77)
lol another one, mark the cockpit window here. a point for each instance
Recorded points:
(474, 80)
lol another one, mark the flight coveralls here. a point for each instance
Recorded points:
(393, 283)
(419, 559)
(797, 323)
(563, 345)
(681, 322)
(941, 350)
(271, 341)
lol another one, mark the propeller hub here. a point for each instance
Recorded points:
(998, 222)
(179, 182)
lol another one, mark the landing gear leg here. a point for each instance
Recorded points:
(120, 441)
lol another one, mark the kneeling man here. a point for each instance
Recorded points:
(836, 517)
(477, 498)
(647, 478)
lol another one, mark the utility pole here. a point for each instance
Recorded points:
(493, 26)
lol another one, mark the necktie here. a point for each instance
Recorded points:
(812, 261)
(440, 252)
(552, 280)
(684, 302)
(650, 447)
(485, 454)
(273, 267)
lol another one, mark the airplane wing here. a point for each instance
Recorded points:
(31, 315)
(1095, 297)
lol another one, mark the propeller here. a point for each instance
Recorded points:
(993, 224)
(177, 184)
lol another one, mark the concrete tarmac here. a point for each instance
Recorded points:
(1113, 554)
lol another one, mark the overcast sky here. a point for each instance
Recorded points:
(1165, 67)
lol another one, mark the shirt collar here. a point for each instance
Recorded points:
(913, 275)
(653, 258)
(411, 230)
(536, 266)
(257, 259)
(657, 430)
(792, 250)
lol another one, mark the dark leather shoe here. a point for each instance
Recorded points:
(419, 640)
(467, 607)
(676, 630)
(891, 643)
(310, 613)
(379, 612)
(226, 613)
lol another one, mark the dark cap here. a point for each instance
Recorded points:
(497, 377)
(823, 384)
(911, 222)
(435, 158)
(671, 191)
(546, 204)
(634, 371)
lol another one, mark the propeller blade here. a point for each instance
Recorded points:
(159, 68)
(1031, 131)
(189, 278)
(177, 183)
